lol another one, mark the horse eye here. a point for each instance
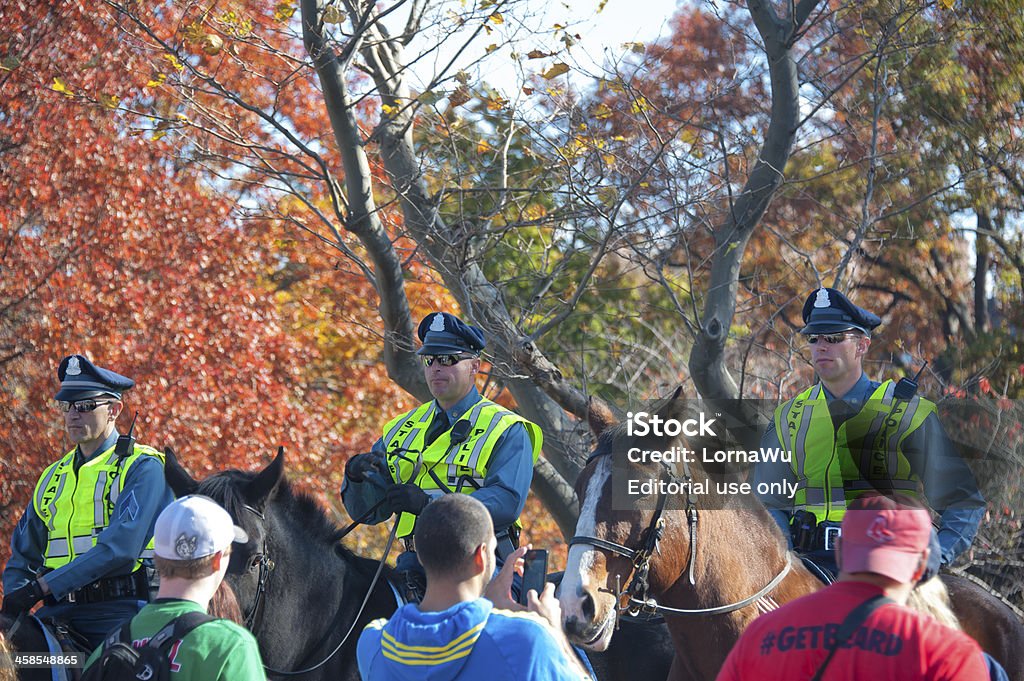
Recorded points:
(254, 562)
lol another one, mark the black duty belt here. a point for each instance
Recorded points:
(134, 586)
(508, 541)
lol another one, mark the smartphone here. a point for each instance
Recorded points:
(535, 572)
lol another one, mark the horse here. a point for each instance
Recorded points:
(304, 596)
(28, 638)
(710, 560)
(300, 590)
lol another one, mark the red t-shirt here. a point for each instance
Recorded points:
(894, 644)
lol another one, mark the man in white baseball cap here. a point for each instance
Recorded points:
(194, 527)
(192, 543)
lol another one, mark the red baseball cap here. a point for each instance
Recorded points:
(884, 536)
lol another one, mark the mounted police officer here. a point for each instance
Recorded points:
(850, 435)
(83, 543)
(460, 442)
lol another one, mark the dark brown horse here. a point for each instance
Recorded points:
(717, 559)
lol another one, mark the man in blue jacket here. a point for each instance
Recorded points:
(84, 543)
(850, 436)
(455, 633)
(460, 442)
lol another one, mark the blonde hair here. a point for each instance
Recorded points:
(931, 598)
(7, 672)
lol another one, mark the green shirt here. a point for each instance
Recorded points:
(215, 651)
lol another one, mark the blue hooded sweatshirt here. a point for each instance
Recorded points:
(470, 640)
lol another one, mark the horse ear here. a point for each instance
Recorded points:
(261, 488)
(178, 479)
(599, 415)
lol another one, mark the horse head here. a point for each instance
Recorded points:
(633, 542)
(246, 496)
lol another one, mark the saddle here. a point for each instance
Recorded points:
(60, 638)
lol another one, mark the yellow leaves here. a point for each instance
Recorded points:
(334, 15)
(284, 11)
(236, 25)
(157, 80)
(9, 63)
(109, 101)
(59, 86)
(491, 48)
(601, 111)
(194, 32)
(600, 6)
(496, 18)
(388, 109)
(639, 105)
(459, 96)
(535, 211)
(947, 4)
(175, 64)
(495, 102)
(483, 147)
(538, 54)
(462, 77)
(635, 47)
(557, 69)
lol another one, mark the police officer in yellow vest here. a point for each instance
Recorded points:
(460, 442)
(849, 435)
(80, 544)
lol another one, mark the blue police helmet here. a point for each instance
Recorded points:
(829, 311)
(443, 333)
(80, 379)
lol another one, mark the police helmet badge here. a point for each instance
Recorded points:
(821, 300)
(437, 323)
(185, 546)
(74, 368)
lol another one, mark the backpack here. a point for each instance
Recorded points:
(121, 661)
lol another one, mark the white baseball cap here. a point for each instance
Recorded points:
(193, 527)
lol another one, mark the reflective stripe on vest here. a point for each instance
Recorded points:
(76, 506)
(461, 468)
(833, 467)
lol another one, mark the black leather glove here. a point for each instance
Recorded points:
(408, 498)
(361, 465)
(22, 599)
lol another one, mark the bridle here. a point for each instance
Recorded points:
(637, 592)
(266, 565)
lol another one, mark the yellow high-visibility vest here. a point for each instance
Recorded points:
(461, 468)
(834, 467)
(76, 506)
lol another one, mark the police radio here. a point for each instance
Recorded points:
(906, 388)
(126, 443)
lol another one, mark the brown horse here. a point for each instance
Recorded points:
(711, 561)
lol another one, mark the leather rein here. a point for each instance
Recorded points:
(639, 600)
(266, 565)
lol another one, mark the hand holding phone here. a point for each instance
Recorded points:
(535, 573)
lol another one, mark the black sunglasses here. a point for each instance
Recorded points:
(445, 360)
(81, 406)
(830, 338)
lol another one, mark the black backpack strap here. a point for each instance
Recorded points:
(178, 628)
(850, 625)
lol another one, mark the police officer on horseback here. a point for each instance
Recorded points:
(850, 435)
(459, 442)
(83, 544)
